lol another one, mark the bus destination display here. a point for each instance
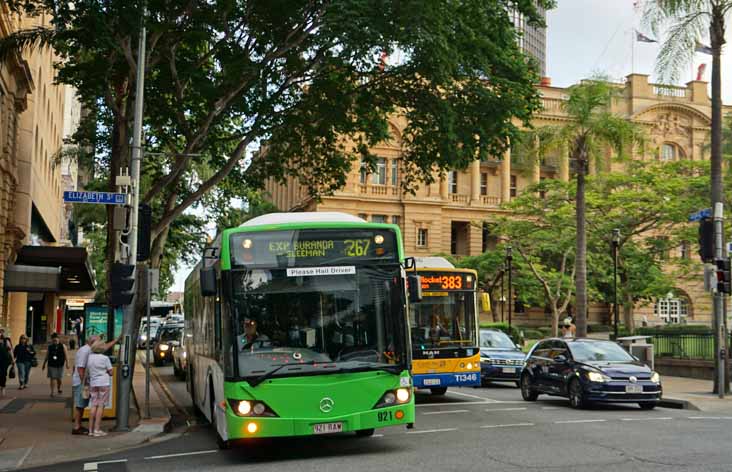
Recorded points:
(311, 248)
(436, 282)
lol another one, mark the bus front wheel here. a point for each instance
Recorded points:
(438, 390)
(365, 433)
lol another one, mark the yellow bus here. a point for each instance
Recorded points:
(444, 327)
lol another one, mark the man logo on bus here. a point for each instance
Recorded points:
(326, 405)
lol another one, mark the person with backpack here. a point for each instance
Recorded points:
(25, 357)
(56, 359)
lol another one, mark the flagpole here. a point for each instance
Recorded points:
(632, 51)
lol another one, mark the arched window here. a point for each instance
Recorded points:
(672, 310)
(671, 152)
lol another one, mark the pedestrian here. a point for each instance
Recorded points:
(98, 372)
(6, 360)
(6, 340)
(567, 328)
(56, 358)
(25, 357)
(81, 400)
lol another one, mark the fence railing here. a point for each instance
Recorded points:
(684, 346)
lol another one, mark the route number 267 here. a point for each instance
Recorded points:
(356, 247)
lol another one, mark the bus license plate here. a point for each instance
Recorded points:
(431, 382)
(327, 428)
(634, 389)
(509, 370)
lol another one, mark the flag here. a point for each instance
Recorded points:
(703, 49)
(700, 71)
(642, 38)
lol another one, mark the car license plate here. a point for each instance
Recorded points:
(431, 382)
(633, 389)
(327, 428)
(508, 370)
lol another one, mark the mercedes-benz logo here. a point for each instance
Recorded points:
(633, 379)
(326, 405)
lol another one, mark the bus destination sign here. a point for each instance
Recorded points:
(441, 282)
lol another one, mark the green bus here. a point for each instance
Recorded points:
(297, 325)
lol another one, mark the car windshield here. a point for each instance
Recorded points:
(443, 319)
(495, 340)
(350, 320)
(170, 334)
(599, 352)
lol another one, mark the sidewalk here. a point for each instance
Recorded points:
(694, 394)
(35, 429)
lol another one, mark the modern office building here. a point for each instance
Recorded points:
(532, 39)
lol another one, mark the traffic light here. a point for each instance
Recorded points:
(144, 226)
(123, 282)
(706, 240)
(724, 276)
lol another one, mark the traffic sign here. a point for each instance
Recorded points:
(701, 214)
(103, 198)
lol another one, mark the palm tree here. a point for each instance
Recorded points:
(591, 129)
(686, 23)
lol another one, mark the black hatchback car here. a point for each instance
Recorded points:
(587, 371)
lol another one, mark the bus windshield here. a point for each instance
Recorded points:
(444, 319)
(282, 317)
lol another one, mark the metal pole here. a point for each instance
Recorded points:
(616, 241)
(509, 256)
(718, 312)
(125, 373)
(147, 351)
(503, 296)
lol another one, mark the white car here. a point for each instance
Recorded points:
(142, 336)
(180, 357)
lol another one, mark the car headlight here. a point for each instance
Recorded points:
(655, 378)
(183, 354)
(597, 377)
(144, 337)
(486, 359)
(164, 347)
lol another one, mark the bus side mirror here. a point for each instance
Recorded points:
(414, 286)
(410, 263)
(208, 282)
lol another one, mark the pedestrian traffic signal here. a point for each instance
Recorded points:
(706, 240)
(724, 276)
(122, 280)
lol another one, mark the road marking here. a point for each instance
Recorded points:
(421, 405)
(710, 417)
(467, 395)
(194, 453)
(445, 412)
(549, 407)
(424, 431)
(377, 436)
(510, 425)
(506, 409)
(94, 466)
(579, 421)
(647, 419)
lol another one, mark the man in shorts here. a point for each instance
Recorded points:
(56, 358)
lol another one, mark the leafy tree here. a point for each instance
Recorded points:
(304, 77)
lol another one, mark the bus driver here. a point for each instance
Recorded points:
(252, 339)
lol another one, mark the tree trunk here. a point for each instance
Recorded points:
(581, 252)
(555, 320)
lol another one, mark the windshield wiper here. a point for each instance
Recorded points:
(258, 380)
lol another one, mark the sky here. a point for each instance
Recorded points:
(586, 37)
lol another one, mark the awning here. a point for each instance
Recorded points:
(59, 269)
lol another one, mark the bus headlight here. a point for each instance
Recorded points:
(250, 408)
(164, 347)
(402, 395)
(389, 398)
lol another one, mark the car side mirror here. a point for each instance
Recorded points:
(208, 282)
(414, 286)
(518, 346)
(560, 359)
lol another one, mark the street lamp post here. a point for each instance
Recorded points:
(615, 243)
(509, 257)
(503, 294)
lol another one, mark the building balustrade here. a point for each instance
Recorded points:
(670, 91)
(490, 200)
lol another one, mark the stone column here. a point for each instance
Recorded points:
(17, 307)
(475, 182)
(564, 164)
(506, 177)
(443, 187)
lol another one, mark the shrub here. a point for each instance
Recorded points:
(532, 334)
(546, 331)
(675, 329)
(599, 328)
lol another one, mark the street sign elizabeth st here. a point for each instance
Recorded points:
(103, 198)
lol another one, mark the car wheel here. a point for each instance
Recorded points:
(576, 394)
(365, 433)
(438, 390)
(647, 405)
(527, 392)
